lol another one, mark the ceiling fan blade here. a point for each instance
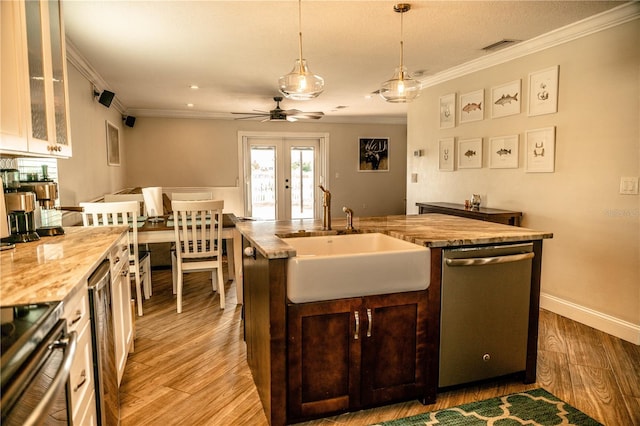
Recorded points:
(251, 117)
(257, 114)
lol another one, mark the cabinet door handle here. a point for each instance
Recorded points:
(370, 319)
(83, 375)
(77, 318)
(357, 331)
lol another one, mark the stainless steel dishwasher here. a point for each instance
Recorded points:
(102, 332)
(485, 312)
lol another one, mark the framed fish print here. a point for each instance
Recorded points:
(448, 111)
(505, 99)
(446, 153)
(541, 148)
(503, 152)
(113, 144)
(471, 106)
(470, 153)
(543, 91)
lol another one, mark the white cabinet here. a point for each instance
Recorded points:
(81, 379)
(121, 302)
(34, 107)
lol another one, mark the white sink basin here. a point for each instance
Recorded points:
(340, 266)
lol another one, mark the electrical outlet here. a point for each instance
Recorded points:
(414, 178)
(629, 185)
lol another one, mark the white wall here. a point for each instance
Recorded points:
(87, 175)
(591, 267)
(178, 152)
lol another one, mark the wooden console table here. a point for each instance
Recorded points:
(483, 213)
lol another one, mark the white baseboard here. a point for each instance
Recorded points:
(603, 322)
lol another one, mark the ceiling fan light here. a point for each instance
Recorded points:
(400, 88)
(301, 84)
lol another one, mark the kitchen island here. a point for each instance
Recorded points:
(273, 350)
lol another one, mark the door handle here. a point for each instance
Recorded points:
(357, 330)
(479, 261)
(370, 319)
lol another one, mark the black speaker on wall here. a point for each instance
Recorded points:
(106, 97)
(129, 120)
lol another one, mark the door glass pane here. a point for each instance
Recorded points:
(263, 182)
(302, 182)
(36, 70)
(58, 75)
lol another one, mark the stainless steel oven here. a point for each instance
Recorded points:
(37, 353)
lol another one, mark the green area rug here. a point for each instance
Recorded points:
(534, 407)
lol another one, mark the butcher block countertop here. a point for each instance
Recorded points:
(431, 230)
(53, 268)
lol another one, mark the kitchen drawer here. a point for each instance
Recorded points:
(87, 415)
(76, 310)
(119, 256)
(81, 382)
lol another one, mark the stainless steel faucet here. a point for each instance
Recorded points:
(349, 213)
(326, 209)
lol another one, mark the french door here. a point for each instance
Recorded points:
(282, 175)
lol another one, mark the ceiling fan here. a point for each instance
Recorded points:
(279, 114)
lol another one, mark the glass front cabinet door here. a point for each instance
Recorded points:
(40, 71)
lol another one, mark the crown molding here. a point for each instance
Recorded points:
(77, 59)
(602, 21)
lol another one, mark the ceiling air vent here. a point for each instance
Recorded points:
(500, 44)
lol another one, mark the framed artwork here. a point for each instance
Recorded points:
(541, 148)
(446, 153)
(113, 144)
(470, 153)
(543, 91)
(505, 99)
(448, 111)
(503, 152)
(471, 106)
(373, 155)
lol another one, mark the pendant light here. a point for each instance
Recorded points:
(301, 84)
(401, 88)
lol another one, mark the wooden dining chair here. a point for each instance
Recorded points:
(198, 236)
(122, 213)
(184, 196)
(143, 249)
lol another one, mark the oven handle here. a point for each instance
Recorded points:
(70, 342)
(478, 261)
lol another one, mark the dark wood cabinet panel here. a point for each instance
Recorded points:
(394, 351)
(323, 357)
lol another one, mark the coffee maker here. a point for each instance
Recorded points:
(21, 212)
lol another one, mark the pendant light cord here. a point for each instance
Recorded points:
(300, 29)
(401, 45)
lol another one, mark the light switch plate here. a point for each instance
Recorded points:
(629, 185)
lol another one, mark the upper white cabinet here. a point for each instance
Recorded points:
(34, 113)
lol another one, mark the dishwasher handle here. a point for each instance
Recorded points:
(479, 261)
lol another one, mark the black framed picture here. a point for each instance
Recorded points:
(373, 155)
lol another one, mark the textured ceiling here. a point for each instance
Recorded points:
(149, 52)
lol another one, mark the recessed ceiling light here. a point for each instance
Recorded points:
(194, 86)
(190, 105)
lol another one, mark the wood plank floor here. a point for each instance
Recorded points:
(190, 369)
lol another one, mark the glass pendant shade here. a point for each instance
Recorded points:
(301, 84)
(401, 88)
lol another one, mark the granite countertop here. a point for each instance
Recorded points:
(53, 268)
(431, 230)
